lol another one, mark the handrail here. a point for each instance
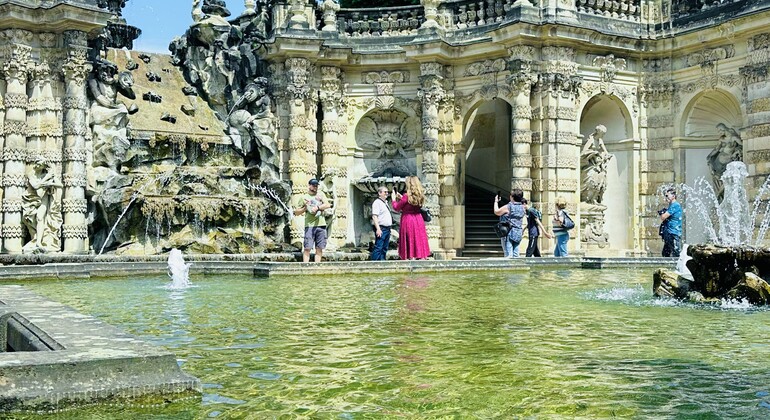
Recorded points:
(484, 185)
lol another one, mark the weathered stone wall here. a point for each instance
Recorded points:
(432, 65)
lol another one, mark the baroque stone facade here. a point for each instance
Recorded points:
(295, 96)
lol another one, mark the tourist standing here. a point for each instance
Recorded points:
(412, 238)
(382, 221)
(312, 205)
(513, 213)
(559, 230)
(534, 228)
(672, 233)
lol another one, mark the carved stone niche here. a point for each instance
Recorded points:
(387, 140)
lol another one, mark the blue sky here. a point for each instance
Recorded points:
(162, 20)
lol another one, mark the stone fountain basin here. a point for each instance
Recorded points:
(719, 272)
(53, 356)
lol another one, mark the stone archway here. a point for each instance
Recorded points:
(618, 197)
(487, 145)
(485, 168)
(699, 135)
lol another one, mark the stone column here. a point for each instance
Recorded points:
(44, 140)
(447, 173)
(756, 136)
(431, 93)
(333, 131)
(301, 167)
(656, 165)
(76, 69)
(15, 152)
(557, 136)
(521, 81)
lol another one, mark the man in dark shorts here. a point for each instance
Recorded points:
(312, 205)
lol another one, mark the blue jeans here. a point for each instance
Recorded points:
(510, 248)
(672, 245)
(381, 244)
(561, 245)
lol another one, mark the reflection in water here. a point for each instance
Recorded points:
(544, 344)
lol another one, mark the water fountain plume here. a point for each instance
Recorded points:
(732, 264)
(732, 221)
(178, 270)
(162, 178)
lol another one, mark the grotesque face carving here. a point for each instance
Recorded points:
(387, 138)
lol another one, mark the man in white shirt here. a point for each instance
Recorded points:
(382, 220)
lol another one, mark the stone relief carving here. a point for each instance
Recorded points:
(708, 56)
(609, 66)
(729, 149)
(522, 52)
(374, 77)
(41, 208)
(109, 117)
(387, 139)
(558, 54)
(486, 66)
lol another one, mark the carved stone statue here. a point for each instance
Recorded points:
(252, 129)
(109, 117)
(215, 7)
(41, 209)
(729, 149)
(593, 167)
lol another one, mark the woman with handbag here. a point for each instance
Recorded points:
(512, 213)
(412, 238)
(562, 223)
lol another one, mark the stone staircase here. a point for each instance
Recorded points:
(480, 239)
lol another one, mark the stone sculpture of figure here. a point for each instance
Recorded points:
(215, 7)
(593, 167)
(197, 13)
(252, 129)
(109, 117)
(729, 149)
(41, 208)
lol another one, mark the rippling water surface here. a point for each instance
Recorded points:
(545, 344)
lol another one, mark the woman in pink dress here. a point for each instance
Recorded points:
(412, 237)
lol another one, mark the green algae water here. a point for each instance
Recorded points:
(543, 344)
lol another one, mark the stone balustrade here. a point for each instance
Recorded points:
(463, 14)
(457, 15)
(379, 21)
(686, 12)
(617, 9)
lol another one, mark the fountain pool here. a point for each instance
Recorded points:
(547, 343)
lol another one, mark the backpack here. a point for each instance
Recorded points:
(568, 223)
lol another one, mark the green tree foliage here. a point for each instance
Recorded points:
(351, 4)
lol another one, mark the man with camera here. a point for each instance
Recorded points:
(671, 225)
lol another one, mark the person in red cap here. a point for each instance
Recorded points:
(312, 205)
